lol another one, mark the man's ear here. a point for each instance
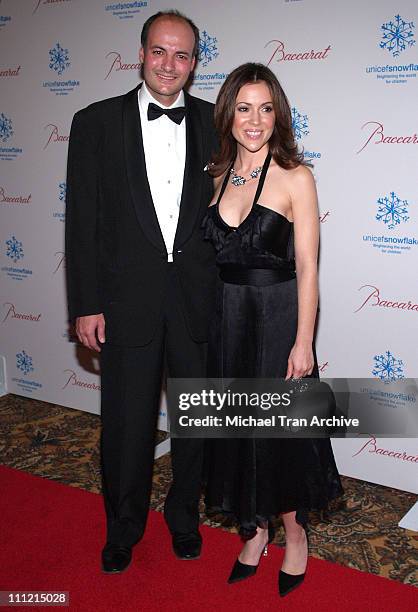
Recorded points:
(141, 55)
(193, 64)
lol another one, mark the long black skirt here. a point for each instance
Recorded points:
(253, 480)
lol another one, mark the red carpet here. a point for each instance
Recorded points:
(52, 534)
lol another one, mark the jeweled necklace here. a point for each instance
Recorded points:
(239, 180)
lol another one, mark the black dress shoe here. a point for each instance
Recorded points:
(241, 571)
(187, 546)
(289, 582)
(116, 559)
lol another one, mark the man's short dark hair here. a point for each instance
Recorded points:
(174, 14)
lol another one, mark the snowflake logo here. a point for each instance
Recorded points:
(59, 59)
(387, 367)
(62, 191)
(6, 128)
(24, 362)
(208, 50)
(299, 124)
(14, 249)
(397, 36)
(392, 210)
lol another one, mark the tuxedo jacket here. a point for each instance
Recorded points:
(116, 259)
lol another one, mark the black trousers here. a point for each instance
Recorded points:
(131, 386)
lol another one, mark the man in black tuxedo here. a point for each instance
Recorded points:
(140, 278)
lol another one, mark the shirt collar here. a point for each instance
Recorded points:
(145, 97)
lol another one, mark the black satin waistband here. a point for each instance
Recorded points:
(259, 277)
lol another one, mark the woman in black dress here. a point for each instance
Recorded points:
(264, 225)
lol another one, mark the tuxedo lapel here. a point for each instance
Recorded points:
(137, 172)
(192, 183)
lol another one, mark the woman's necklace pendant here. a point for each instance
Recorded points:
(239, 180)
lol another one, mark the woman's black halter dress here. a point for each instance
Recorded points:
(252, 333)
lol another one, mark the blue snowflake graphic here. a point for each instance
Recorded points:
(24, 362)
(387, 367)
(14, 249)
(208, 50)
(397, 36)
(6, 128)
(299, 124)
(59, 59)
(392, 210)
(62, 191)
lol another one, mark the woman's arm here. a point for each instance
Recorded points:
(306, 228)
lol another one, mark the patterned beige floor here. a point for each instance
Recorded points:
(360, 531)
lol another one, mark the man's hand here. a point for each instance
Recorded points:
(89, 329)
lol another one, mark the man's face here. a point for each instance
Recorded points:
(167, 58)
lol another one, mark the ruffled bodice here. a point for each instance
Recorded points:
(264, 239)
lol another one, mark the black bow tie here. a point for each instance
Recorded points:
(175, 114)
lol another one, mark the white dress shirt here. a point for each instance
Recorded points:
(165, 157)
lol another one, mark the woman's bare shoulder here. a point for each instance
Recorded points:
(300, 176)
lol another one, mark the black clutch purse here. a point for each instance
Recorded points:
(314, 401)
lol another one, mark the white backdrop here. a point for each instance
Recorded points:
(350, 72)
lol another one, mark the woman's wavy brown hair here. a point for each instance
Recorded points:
(282, 143)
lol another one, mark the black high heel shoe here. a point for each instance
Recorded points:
(241, 571)
(289, 582)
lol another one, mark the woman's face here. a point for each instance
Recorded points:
(254, 116)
